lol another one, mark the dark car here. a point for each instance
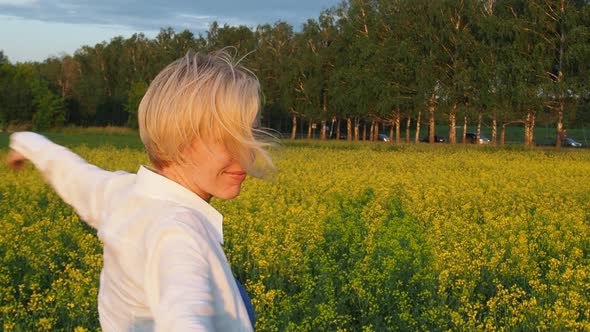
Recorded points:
(572, 143)
(437, 139)
(472, 138)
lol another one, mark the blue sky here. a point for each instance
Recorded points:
(33, 30)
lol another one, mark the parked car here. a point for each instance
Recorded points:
(342, 136)
(437, 139)
(572, 143)
(383, 138)
(472, 138)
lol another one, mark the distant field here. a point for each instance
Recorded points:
(345, 237)
(124, 137)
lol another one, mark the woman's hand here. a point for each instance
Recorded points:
(15, 160)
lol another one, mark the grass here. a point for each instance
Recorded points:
(121, 137)
(94, 137)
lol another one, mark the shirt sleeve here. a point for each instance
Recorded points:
(78, 183)
(178, 285)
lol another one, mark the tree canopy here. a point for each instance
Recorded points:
(369, 63)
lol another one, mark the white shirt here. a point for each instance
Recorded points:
(163, 266)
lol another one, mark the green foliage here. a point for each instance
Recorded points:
(361, 60)
(3, 58)
(275, 66)
(134, 97)
(49, 108)
(16, 95)
(241, 38)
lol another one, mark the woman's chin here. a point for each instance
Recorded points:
(229, 194)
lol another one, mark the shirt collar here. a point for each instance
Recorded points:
(155, 185)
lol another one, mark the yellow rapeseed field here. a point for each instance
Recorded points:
(346, 238)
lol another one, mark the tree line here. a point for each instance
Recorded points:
(360, 68)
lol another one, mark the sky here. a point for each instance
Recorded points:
(33, 30)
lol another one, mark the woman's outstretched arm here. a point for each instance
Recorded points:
(78, 183)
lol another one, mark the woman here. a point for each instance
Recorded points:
(164, 268)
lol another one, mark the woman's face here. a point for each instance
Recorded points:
(211, 171)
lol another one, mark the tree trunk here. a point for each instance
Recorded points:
(431, 129)
(398, 119)
(464, 134)
(529, 126)
(417, 139)
(356, 129)
(331, 135)
(376, 133)
(526, 129)
(453, 124)
(309, 129)
(532, 129)
(364, 131)
(494, 129)
(560, 131)
(478, 135)
(502, 134)
(372, 131)
(408, 125)
(391, 135)
(323, 122)
(560, 76)
(294, 129)
(338, 130)
(349, 129)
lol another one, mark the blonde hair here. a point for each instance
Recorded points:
(206, 97)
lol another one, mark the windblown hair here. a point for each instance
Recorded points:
(209, 98)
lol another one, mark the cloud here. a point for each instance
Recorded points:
(18, 3)
(153, 15)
